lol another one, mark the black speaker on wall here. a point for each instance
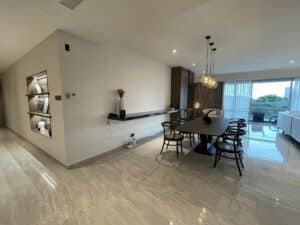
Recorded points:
(67, 47)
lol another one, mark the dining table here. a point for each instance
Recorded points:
(207, 130)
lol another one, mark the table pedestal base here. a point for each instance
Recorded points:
(205, 146)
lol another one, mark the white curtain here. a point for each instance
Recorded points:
(295, 96)
(237, 99)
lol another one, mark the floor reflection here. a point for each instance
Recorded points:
(265, 142)
(141, 186)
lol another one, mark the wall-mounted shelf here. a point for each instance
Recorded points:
(133, 116)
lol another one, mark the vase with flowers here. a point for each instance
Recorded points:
(122, 111)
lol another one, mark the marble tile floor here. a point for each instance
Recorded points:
(140, 187)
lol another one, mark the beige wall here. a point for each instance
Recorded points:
(94, 72)
(43, 57)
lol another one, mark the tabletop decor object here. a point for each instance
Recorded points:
(122, 111)
(206, 118)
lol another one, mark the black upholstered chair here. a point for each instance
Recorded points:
(171, 137)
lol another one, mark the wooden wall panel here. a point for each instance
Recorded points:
(208, 98)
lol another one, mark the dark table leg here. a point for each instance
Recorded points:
(205, 146)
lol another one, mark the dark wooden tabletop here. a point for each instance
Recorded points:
(216, 128)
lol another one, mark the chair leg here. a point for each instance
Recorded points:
(216, 158)
(220, 156)
(190, 137)
(162, 148)
(177, 149)
(238, 164)
(241, 160)
(181, 147)
(168, 145)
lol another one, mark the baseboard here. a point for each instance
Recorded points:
(93, 158)
(140, 142)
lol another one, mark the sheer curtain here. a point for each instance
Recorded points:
(237, 99)
(295, 96)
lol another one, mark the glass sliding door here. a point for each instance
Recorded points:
(260, 101)
(237, 99)
(268, 98)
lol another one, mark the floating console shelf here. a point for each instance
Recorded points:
(133, 116)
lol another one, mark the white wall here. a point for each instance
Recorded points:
(43, 57)
(94, 72)
(260, 75)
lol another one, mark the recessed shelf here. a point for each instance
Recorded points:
(38, 132)
(40, 114)
(38, 101)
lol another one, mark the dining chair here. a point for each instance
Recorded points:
(190, 136)
(229, 145)
(171, 136)
(237, 126)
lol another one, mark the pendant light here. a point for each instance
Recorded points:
(205, 78)
(212, 83)
(213, 70)
(208, 80)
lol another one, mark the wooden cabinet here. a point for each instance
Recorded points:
(182, 88)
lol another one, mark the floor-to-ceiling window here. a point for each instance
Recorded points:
(237, 99)
(260, 101)
(268, 98)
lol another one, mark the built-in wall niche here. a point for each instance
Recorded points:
(38, 102)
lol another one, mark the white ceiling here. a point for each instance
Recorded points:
(250, 35)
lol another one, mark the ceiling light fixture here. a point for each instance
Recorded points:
(208, 79)
(174, 51)
(194, 64)
(292, 61)
(70, 4)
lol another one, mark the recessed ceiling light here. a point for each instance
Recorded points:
(174, 51)
(292, 61)
(194, 64)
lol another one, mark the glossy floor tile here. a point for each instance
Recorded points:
(139, 186)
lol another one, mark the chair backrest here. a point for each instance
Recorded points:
(237, 127)
(168, 128)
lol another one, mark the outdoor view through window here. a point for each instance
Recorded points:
(269, 98)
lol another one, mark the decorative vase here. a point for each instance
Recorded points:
(122, 111)
(121, 104)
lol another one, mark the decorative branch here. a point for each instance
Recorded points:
(121, 92)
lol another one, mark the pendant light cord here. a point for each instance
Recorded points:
(214, 61)
(211, 58)
(207, 44)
